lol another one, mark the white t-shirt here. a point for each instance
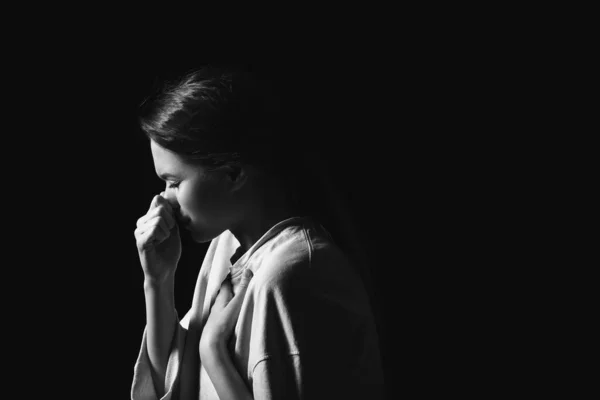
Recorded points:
(305, 330)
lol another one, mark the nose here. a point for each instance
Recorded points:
(170, 197)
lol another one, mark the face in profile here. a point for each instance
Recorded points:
(203, 199)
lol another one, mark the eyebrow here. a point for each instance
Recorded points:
(166, 175)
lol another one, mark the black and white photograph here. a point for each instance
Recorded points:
(280, 230)
(254, 276)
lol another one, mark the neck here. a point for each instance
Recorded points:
(268, 210)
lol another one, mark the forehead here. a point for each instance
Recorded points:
(165, 161)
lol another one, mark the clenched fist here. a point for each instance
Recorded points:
(158, 241)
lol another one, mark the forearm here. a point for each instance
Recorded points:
(222, 372)
(160, 328)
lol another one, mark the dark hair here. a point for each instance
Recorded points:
(218, 115)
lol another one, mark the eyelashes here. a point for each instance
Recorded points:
(174, 185)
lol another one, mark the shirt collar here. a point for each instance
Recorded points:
(273, 231)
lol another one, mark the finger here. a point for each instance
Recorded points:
(166, 212)
(235, 304)
(161, 211)
(157, 226)
(149, 238)
(160, 222)
(170, 208)
(230, 313)
(154, 202)
(145, 218)
(225, 292)
(162, 199)
(246, 278)
(244, 282)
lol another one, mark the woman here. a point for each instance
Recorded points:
(279, 311)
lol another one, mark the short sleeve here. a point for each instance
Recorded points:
(278, 378)
(314, 348)
(285, 377)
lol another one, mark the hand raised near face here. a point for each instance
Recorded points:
(224, 314)
(158, 241)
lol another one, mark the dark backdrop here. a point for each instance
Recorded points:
(341, 107)
(389, 147)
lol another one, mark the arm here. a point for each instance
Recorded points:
(213, 344)
(160, 319)
(159, 249)
(227, 381)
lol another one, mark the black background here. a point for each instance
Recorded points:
(340, 106)
(392, 145)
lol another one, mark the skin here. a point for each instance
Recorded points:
(213, 346)
(241, 199)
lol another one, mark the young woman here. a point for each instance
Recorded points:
(279, 309)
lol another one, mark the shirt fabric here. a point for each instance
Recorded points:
(305, 329)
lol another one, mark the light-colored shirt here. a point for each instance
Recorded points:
(305, 329)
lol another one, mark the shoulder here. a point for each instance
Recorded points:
(304, 262)
(301, 255)
(299, 248)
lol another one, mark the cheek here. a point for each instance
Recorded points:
(185, 198)
(200, 199)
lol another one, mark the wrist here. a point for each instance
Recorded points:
(162, 283)
(212, 350)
